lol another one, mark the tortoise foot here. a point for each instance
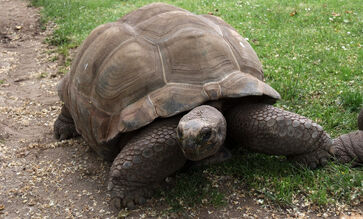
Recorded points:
(124, 197)
(312, 159)
(64, 127)
(318, 157)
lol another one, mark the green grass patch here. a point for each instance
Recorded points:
(192, 189)
(351, 100)
(284, 184)
(312, 54)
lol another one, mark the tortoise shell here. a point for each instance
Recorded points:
(157, 61)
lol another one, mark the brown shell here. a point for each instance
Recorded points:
(157, 61)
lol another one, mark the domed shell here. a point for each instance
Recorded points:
(157, 61)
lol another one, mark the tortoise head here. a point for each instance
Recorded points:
(201, 132)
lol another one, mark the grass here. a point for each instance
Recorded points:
(192, 189)
(285, 184)
(312, 54)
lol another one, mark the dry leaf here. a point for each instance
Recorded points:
(293, 13)
(335, 14)
(123, 214)
(348, 12)
(210, 13)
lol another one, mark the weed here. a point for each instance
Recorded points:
(192, 189)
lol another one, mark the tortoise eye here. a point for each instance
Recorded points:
(206, 134)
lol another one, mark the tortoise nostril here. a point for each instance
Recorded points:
(191, 144)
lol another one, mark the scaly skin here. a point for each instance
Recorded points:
(64, 126)
(349, 147)
(266, 129)
(360, 120)
(151, 155)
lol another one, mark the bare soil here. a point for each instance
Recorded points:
(39, 177)
(43, 178)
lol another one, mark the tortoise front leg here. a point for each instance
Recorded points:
(64, 126)
(146, 160)
(266, 129)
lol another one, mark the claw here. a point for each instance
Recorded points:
(312, 165)
(56, 135)
(62, 137)
(332, 150)
(130, 205)
(116, 203)
(323, 161)
(141, 200)
(313, 159)
(121, 197)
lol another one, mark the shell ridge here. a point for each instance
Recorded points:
(86, 45)
(124, 128)
(152, 103)
(233, 55)
(100, 69)
(182, 26)
(179, 27)
(216, 66)
(146, 7)
(211, 24)
(162, 65)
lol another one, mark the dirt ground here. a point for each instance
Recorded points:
(39, 177)
(42, 178)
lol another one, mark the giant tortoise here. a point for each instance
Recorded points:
(162, 86)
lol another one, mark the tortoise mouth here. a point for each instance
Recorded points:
(196, 155)
(200, 146)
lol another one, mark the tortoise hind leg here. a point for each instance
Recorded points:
(266, 129)
(64, 126)
(348, 148)
(146, 160)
